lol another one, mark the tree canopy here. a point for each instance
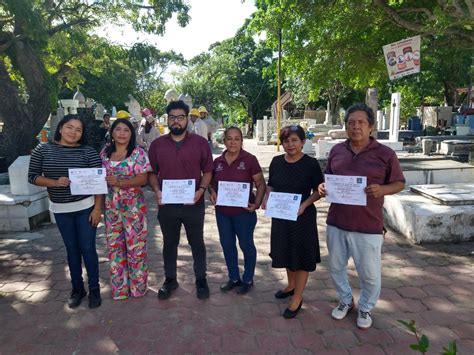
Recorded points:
(234, 77)
(335, 46)
(46, 45)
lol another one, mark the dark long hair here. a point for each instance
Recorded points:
(110, 148)
(66, 119)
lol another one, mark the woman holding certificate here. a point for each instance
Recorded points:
(127, 168)
(77, 216)
(235, 173)
(294, 243)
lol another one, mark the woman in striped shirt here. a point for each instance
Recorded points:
(77, 216)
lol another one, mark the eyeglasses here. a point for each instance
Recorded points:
(179, 118)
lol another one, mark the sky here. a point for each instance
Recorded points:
(211, 21)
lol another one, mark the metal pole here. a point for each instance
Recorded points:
(278, 98)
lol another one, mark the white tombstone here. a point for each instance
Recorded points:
(187, 99)
(265, 128)
(18, 173)
(133, 107)
(99, 112)
(327, 120)
(371, 99)
(70, 106)
(171, 95)
(79, 96)
(394, 117)
(380, 120)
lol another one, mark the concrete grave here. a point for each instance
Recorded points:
(22, 206)
(422, 220)
(432, 171)
(456, 146)
(447, 194)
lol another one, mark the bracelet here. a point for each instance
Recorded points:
(202, 187)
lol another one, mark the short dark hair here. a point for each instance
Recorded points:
(110, 148)
(285, 132)
(236, 128)
(360, 107)
(106, 115)
(173, 105)
(66, 119)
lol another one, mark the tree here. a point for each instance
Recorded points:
(336, 46)
(41, 43)
(451, 22)
(233, 77)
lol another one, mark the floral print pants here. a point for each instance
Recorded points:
(127, 248)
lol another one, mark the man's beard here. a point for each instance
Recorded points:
(176, 131)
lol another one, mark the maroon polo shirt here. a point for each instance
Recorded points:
(380, 165)
(242, 169)
(186, 160)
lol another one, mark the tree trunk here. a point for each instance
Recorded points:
(23, 121)
(449, 93)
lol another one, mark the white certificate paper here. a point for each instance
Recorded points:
(283, 205)
(88, 181)
(234, 194)
(346, 190)
(178, 191)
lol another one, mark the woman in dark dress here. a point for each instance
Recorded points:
(295, 244)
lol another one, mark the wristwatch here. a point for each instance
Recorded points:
(203, 187)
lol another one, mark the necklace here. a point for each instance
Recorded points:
(116, 156)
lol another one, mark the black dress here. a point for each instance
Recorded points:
(294, 244)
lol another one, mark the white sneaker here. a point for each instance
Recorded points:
(364, 320)
(340, 312)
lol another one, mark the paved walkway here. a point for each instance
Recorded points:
(433, 285)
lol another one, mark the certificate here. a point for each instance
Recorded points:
(234, 194)
(283, 205)
(178, 191)
(88, 181)
(346, 190)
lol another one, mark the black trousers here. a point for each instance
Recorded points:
(171, 217)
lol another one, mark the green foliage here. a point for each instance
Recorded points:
(335, 47)
(422, 345)
(231, 79)
(47, 46)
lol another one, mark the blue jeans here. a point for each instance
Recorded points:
(365, 249)
(242, 226)
(79, 237)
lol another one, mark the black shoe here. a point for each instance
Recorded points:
(94, 298)
(230, 285)
(167, 289)
(202, 289)
(244, 287)
(288, 314)
(280, 294)
(76, 298)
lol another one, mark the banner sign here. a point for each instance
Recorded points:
(402, 57)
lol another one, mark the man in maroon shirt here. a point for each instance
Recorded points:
(357, 231)
(181, 155)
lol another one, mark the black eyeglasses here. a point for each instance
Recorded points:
(179, 118)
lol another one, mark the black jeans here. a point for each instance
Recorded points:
(171, 217)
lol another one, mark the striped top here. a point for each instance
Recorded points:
(53, 160)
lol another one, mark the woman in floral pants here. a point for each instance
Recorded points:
(127, 168)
